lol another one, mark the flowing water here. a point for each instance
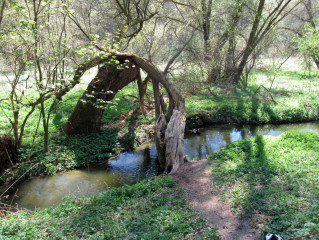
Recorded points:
(131, 167)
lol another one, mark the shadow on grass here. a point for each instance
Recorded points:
(278, 181)
(258, 175)
(251, 175)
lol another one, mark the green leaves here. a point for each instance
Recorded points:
(309, 42)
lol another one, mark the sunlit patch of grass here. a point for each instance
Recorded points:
(276, 177)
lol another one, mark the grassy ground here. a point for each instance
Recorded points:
(293, 97)
(273, 179)
(148, 210)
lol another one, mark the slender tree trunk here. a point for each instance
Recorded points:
(216, 73)
(251, 41)
(2, 6)
(45, 128)
(206, 13)
(16, 127)
(141, 92)
(156, 90)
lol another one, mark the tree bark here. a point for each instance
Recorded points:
(206, 14)
(174, 140)
(156, 90)
(141, 92)
(160, 127)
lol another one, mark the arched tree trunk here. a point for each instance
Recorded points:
(86, 117)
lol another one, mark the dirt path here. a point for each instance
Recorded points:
(196, 179)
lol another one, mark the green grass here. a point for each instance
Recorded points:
(273, 177)
(154, 209)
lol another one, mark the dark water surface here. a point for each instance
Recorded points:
(131, 167)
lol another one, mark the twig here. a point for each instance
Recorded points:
(258, 89)
(212, 93)
(18, 179)
(12, 165)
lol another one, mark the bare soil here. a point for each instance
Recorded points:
(195, 178)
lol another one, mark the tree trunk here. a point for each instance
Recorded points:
(141, 92)
(251, 42)
(2, 6)
(86, 117)
(174, 141)
(206, 14)
(45, 128)
(156, 90)
(218, 72)
(160, 127)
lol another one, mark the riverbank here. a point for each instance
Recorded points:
(270, 98)
(154, 209)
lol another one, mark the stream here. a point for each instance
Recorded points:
(131, 167)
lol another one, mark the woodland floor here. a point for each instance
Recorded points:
(195, 178)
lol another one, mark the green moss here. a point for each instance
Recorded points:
(154, 209)
(276, 177)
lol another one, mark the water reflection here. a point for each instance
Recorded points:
(214, 138)
(128, 168)
(131, 167)
(48, 191)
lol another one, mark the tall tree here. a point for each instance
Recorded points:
(2, 6)
(262, 24)
(206, 7)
